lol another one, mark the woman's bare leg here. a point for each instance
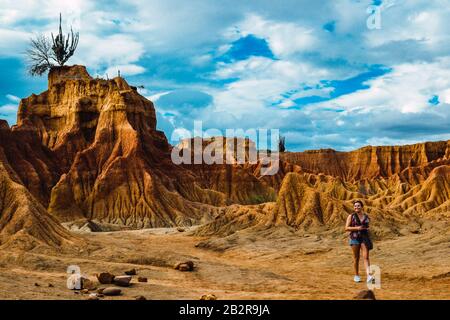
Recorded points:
(365, 252)
(356, 249)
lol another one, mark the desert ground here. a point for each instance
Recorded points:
(276, 263)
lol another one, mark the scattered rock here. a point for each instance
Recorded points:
(88, 284)
(93, 296)
(208, 297)
(105, 278)
(111, 291)
(179, 229)
(84, 291)
(131, 272)
(122, 281)
(37, 284)
(50, 285)
(100, 290)
(142, 279)
(184, 266)
(140, 298)
(365, 295)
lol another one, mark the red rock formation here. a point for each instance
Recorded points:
(300, 204)
(431, 198)
(89, 148)
(369, 162)
(34, 163)
(24, 222)
(234, 172)
(106, 158)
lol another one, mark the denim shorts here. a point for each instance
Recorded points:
(354, 242)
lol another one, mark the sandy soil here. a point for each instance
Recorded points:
(275, 264)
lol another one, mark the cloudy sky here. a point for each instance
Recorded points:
(316, 70)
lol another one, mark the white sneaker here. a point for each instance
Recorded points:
(356, 279)
(370, 279)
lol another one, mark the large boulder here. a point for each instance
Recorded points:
(122, 281)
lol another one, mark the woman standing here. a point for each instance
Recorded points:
(358, 226)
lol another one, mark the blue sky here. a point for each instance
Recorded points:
(313, 70)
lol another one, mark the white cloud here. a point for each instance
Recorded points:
(287, 103)
(13, 42)
(201, 60)
(23, 19)
(8, 109)
(100, 52)
(96, 49)
(284, 38)
(262, 81)
(411, 20)
(319, 92)
(125, 70)
(445, 96)
(340, 122)
(258, 97)
(158, 95)
(12, 98)
(386, 141)
(15, 11)
(408, 88)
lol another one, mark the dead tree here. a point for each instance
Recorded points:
(39, 55)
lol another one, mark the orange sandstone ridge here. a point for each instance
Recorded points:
(24, 222)
(371, 162)
(89, 149)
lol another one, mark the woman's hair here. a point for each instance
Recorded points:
(358, 201)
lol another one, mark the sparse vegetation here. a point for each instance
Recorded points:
(281, 144)
(44, 54)
(259, 198)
